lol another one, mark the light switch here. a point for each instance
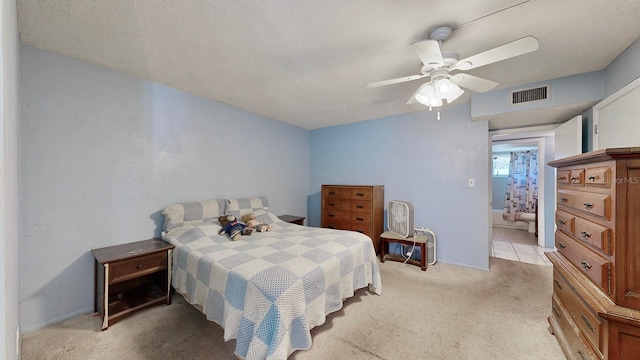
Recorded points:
(472, 182)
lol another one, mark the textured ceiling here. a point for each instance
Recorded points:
(307, 63)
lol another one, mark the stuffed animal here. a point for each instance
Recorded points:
(233, 227)
(251, 222)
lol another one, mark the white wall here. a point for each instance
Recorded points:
(420, 160)
(102, 153)
(9, 244)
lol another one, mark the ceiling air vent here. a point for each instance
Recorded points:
(529, 95)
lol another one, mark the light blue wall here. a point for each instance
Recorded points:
(102, 153)
(623, 70)
(420, 160)
(581, 88)
(9, 203)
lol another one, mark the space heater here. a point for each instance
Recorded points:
(400, 218)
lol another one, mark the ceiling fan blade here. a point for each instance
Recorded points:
(473, 83)
(395, 81)
(429, 52)
(503, 52)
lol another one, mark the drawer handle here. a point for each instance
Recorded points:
(585, 234)
(360, 194)
(573, 178)
(359, 207)
(332, 204)
(561, 222)
(563, 200)
(562, 178)
(588, 205)
(332, 192)
(139, 266)
(556, 312)
(557, 284)
(360, 231)
(585, 265)
(561, 245)
(360, 219)
(581, 355)
(593, 178)
(586, 321)
(331, 215)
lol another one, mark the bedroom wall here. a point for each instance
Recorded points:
(421, 160)
(102, 153)
(623, 70)
(9, 205)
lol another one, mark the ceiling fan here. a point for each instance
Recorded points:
(437, 65)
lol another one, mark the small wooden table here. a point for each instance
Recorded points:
(131, 277)
(292, 219)
(420, 241)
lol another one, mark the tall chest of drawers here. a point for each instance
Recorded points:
(595, 307)
(354, 207)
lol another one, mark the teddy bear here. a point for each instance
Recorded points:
(250, 220)
(233, 227)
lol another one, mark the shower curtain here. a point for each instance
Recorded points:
(522, 186)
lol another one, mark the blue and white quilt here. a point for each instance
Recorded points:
(268, 290)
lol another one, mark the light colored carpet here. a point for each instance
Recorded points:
(447, 312)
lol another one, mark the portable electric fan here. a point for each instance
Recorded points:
(400, 219)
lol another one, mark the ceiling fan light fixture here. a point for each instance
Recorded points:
(427, 96)
(443, 87)
(454, 93)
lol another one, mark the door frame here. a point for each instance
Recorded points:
(536, 135)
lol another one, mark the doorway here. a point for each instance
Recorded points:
(540, 137)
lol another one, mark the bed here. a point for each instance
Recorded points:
(269, 289)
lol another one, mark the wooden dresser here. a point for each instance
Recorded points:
(354, 207)
(595, 312)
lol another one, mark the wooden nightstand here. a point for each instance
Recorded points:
(292, 219)
(131, 277)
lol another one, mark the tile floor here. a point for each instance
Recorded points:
(518, 245)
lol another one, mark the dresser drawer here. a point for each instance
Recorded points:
(598, 176)
(585, 318)
(577, 348)
(360, 194)
(336, 193)
(133, 268)
(594, 234)
(565, 221)
(332, 204)
(564, 176)
(333, 224)
(591, 264)
(577, 177)
(360, 218)
(360, 206)
(592, 203)
(335, 215)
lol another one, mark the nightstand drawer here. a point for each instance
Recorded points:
(132, 268)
